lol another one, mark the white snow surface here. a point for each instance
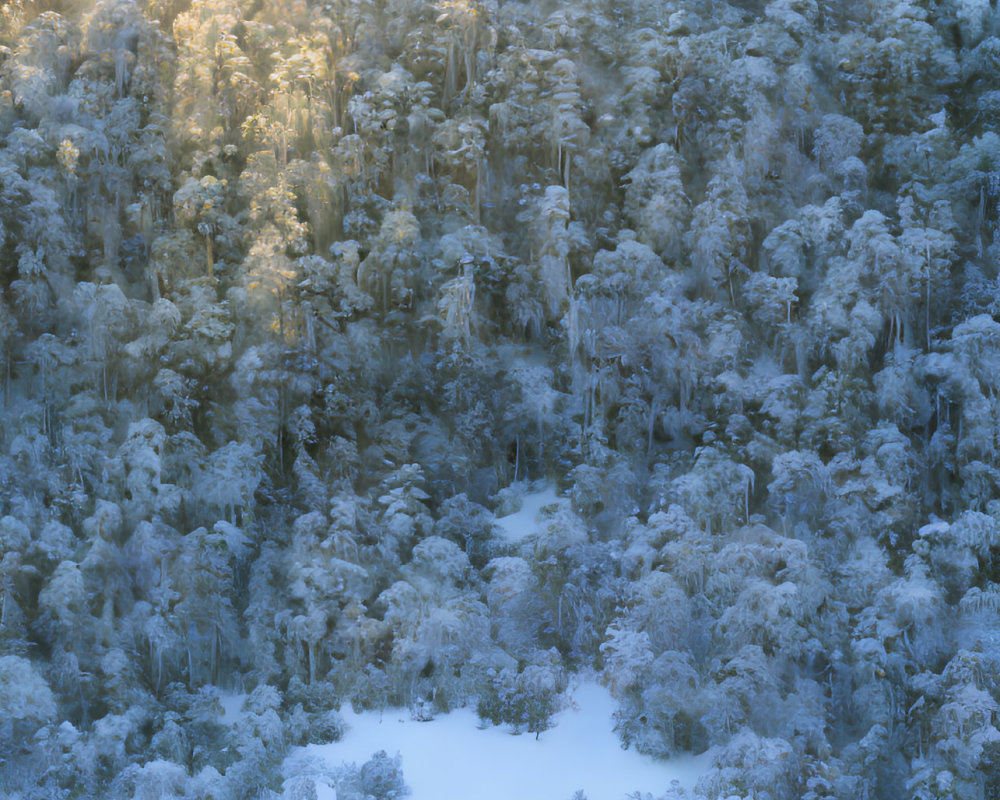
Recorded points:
(529, 520)
(232, 707)
(452, 758)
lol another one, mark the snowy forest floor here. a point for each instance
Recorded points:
(453, 756)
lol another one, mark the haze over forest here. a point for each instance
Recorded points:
(299, 298)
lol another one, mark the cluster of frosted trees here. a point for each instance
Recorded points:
(296, 297)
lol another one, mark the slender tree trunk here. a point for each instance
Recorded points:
(652, 425)
(927, 299)
(479, 188)
(210, 262)
(517, 455)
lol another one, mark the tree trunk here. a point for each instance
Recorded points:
(209, 261)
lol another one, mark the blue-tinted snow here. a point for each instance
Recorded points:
(452, 758)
